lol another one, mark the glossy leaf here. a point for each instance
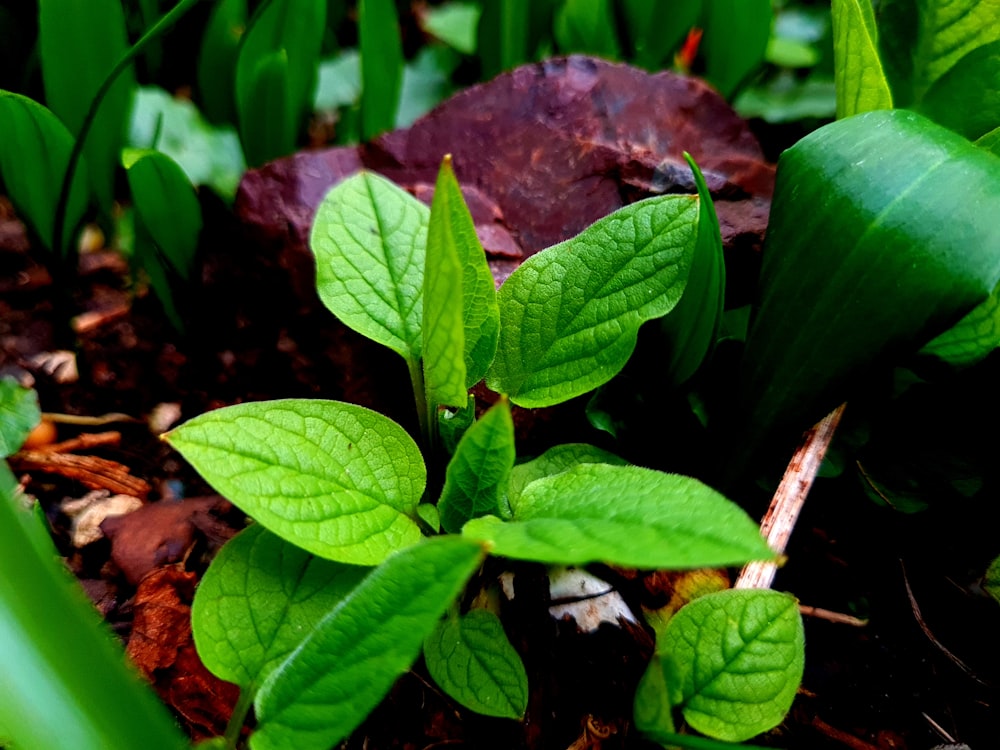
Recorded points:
(555, 460)
(623, 515)
(19, 414)
(217, 61)
(738, 657)
(570, 314)
(691, 328)
(587, 27)
(276, 74)
(966, 98)
(735, 40)
(947, 31)
(33, 164)
(471, 659)
(338, 480)
(991, 581)
(69, 670)
(973, 337)
(369, 238)
(381, 65)
(861, 83)
(881, 237)
(330, 683)
(79, 44)
(258, 600)
(477, 474)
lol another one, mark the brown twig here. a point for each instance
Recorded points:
(839, 735)
(788, 499)
(84, 441)
(837, 617)
(90, 471)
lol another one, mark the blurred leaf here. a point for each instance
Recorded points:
(587, 27)
(381, 65)
(504, 34)
(898, 22)
(861, 84)
(79, 44)
(973, 337)
(33, 164)
(426, 83)
(18, 415)
(208, 155)
(657, 27)
(339, 83)
(454, 23)
(990, 141)
(875, 244)
(991, 582)
(788, 53)
(270, 128)
(967, 97)
(735, 40)
(787, 99)
(217, 61)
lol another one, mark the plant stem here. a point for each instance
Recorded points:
(788, 499)
(427, 431)
(238, 718)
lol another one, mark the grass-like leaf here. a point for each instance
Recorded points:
(217, 60)
(339, 480)
(381, 65)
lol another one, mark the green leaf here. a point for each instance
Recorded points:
(651, 707)
(991, 581)
(735, 40)
(990, 142)
(972, 338)
(861, 83)
(587, 27)
(33, 164)
(655, 34)
(276, 74)
(502, 35)
(79, 44)
(338, 480)
(260, 597)
(947, 31)
(64, 680)
(570, 314)
(453, 424)
(691, 328)
(330, 683)
(967, 97)
(208, 155)
(217, 61)
(381, 65)
(471, 659)
(739, 656)
(369, 238)
(19, 414)
(623, 515)
(898, 24)
(478, 472)
(555, 460)
(454, 23)
(881, 237)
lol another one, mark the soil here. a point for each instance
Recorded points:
(565, 148)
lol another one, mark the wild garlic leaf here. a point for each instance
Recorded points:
(369, 238)
(18, 415)
(861, 83)
(623, 515)
(477, 474)
(556, 459)
(964, 98)
(260, 597)
(471, 659)
(330, 683)
(971, 338)
(738, 657)
(338, 480)
(571, 313)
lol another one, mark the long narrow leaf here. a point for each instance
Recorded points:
(861, 83)
(381, 65)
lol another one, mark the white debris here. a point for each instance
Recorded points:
(89, 511)
(163, 417)
(591, 600)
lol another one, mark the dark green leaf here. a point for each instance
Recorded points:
(861, 83)
(471, 659)
(657, 28)
(588, 27)
(19, 414)
(991, 581)
(268, 125)
(502, 35)
(990, 141)
(381, 65)
(967, 97)
(354, 655)
(217, 61)
(452, 424)
(898, 22)
(881, 236)
(735, 40)
(973, 337)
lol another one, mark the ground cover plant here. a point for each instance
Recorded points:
(369, 549)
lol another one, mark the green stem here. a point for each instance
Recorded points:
(238, 718)
(159, 28)
(416, 369)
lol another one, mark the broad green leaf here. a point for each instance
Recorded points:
(454, 23)
(452, 424)
(258, 600)
(64, 680)
(208, 155)
(166, 204)
(454, 233)
(471, 659)
(966, 98)
(79, 44)
(652, 710)
(330, 683)
(555, 460)
(33, 163)
(991, 582)
(276, 74)
(973, 337)
(19, 414)
(570, 314)
(947, 31)
(990, 142)
(587, 27)
(339, 480)
(477, 473)
(217, 61)
(657, 28)
(861, 82)
(735, 40)
(623, 515)
(881, 236)
(369, 238)
(381, 65)
(739, 656)
(691, 328)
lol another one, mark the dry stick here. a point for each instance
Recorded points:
(788, 499)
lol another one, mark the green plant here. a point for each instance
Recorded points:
(337, 486)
